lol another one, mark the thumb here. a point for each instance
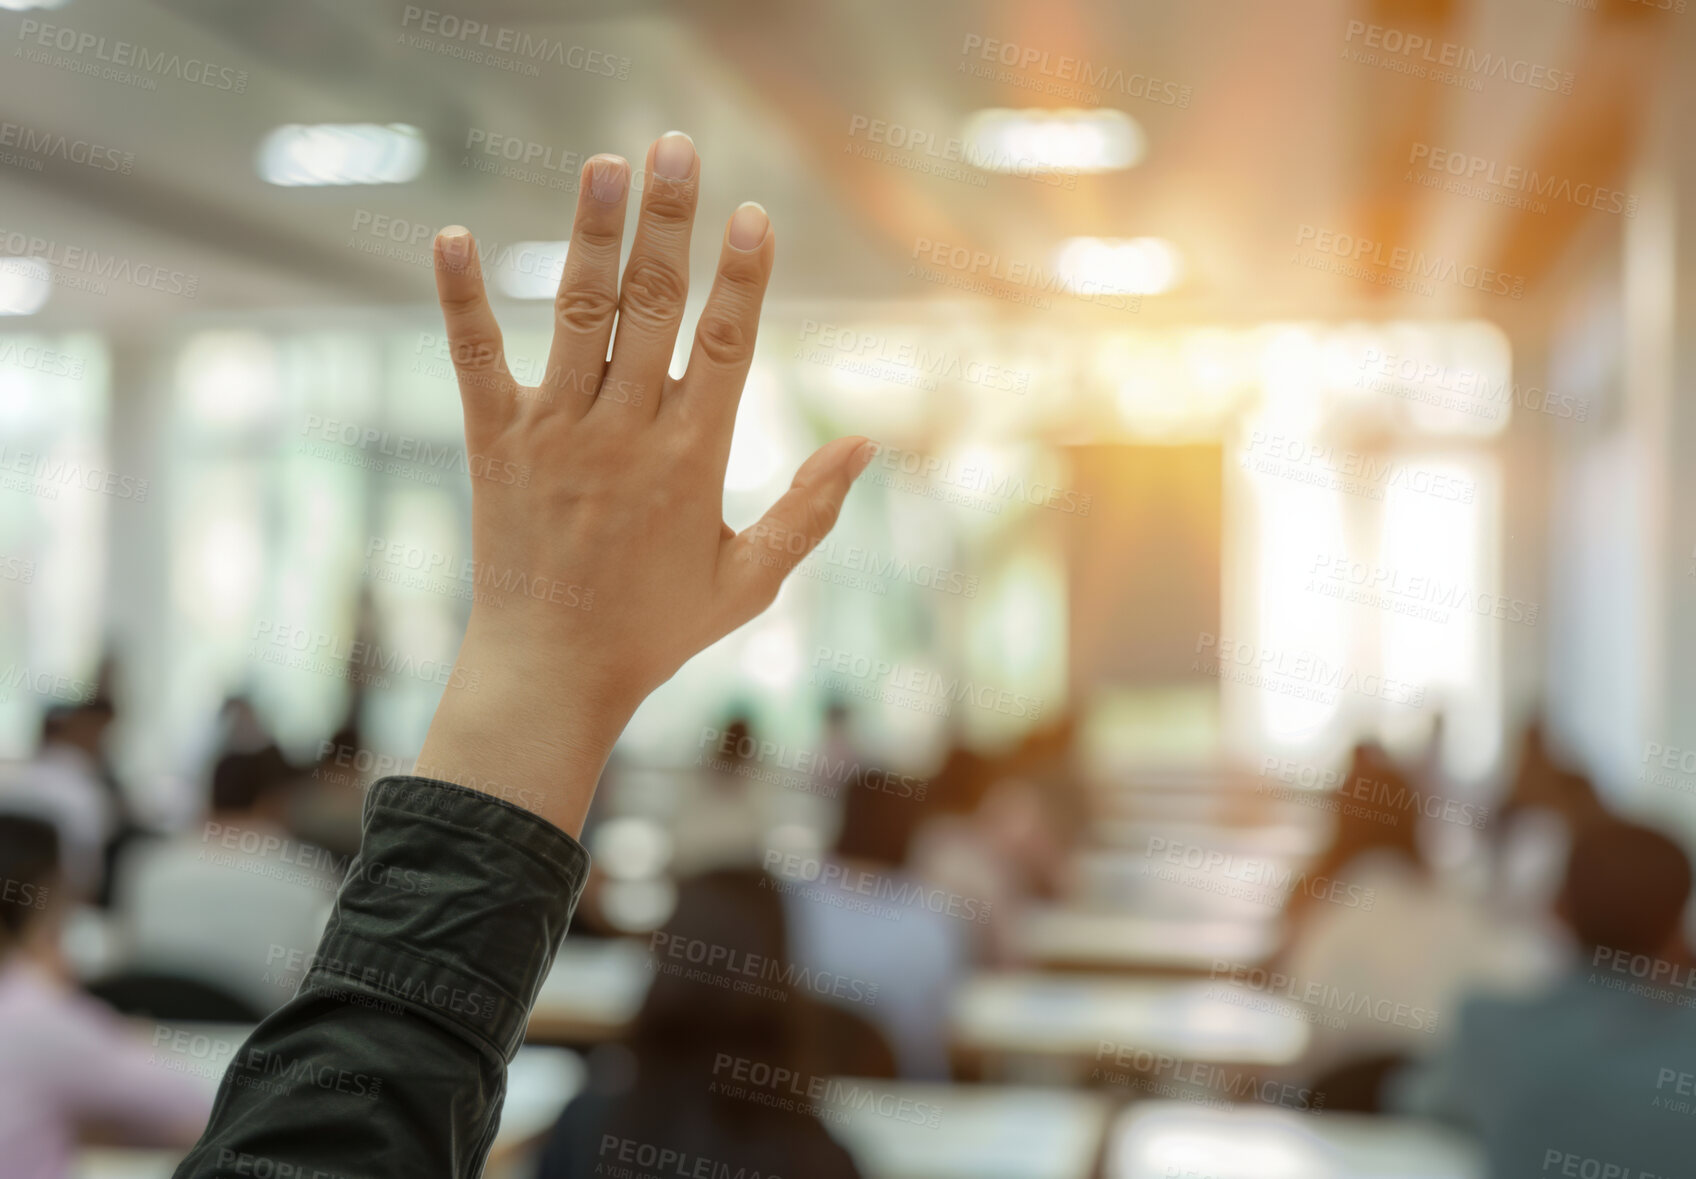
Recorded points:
(754, 562)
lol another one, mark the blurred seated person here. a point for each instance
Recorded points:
(1533, 828)
(861, 912)
(724, 812)
(1376, 929)
(1597, 1070)
(679, 1096)
(1368, 832)
(1009, 851)
(1543, 781)
(69, 1067)
(66, 784)
(236, 902)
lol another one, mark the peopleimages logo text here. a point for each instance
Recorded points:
(1302, 667)
(1414, 263)
(469, 36)
(1516, 178)
(841, 771)
(92, 265)
(1326, 997)
(1065, 68)
(1415, 47)
(908, 894)
(40, 142)
(130, 56)
(983, 480)
(717, 963)
(919, 681)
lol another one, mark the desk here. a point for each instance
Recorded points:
(981, 1132)
(1072, 1016)
(1148, 886)
(1175, 1140)
(1062, 936)
(1272, 841)
(593, 992)
(1220, 792)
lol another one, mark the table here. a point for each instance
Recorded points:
(1148, 886)
(1176, 1140)
(1073, 1016)
(593, 992)
(1064, 936)
(981, 1132)
(1274, 840)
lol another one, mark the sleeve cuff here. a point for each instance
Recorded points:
(453, 909)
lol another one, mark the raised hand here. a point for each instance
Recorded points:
(602, 558)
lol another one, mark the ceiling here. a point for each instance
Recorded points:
(1277, 128)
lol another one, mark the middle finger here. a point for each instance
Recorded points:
(588, 288)
(656, 279)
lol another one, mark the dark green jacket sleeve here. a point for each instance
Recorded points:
(391, 1059)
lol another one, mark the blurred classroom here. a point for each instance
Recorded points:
(1242, 727)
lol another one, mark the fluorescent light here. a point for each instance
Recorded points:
(297, 155)
(1001, 140)
(25, 284)
(1118, 266)
(26, 5)
(528, 270)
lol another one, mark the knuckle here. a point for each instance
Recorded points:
(597, 242)
(584, 309)
(742, 277)
(671, 206)
(463, 306)
(654, 288)
(475, 352)
(725, 340)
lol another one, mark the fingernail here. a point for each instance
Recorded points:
(748, 226)
(607, 178)
(862, 459)
(456, 242)
(674, 158)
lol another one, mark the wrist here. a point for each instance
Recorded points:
(525, 722)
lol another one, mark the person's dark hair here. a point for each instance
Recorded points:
(1626, 887)
(29, 869)
(1378, 814)
(714, 1002)
(732, 913)
(877, 826)
(241, 781)
(57, 720)
(959, 785)
(1378, 817)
